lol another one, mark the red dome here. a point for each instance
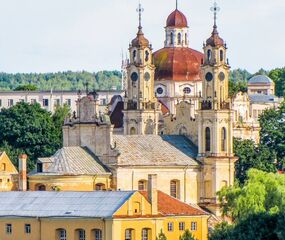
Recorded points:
(179, 64)
(176, 19)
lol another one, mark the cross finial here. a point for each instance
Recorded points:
(140, 11)
(215, 9)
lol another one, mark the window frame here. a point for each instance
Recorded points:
(9, 228)
(170, 226)
(28, 228)
(181, 226)
(194, 226)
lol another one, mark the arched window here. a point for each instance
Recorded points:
(146, 56)
(171, 38)
(209, 54)
(97, 234)
(221, 55)
(183, 131)
(129, 234)
(208, 139)
(146, 234)
(142, 185)
(174, 188)
(61, 234)
(186, 39)
(80, 234)
(41, 187)
(179, 38)
(100, 187)
(133, 131)
(134, 55)
(224, 139)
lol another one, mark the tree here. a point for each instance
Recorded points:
(60, 114)
(251, 156)
(278, 76)
(222, 231)
(27, 128)
(161, 236)
(28, 87)
(262, 193)
(272, 132)
(187, 235)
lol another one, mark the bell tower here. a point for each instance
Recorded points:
(215, 121)
(141, 108)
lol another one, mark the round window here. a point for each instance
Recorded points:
(146, 76)
(159, 90)
(209, 76)
(134, 76)
(187, 90)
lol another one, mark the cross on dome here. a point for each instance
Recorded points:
(140, 10)
(215, 9)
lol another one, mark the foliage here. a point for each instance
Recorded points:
(272, 132)
(258, 227)
(28, 87)
(27, 128)
(262, 193)
(278, 76)
(60, 114)
(252, 156)
(238, 81)
(161, 236)
(187, 235)
(104, 80)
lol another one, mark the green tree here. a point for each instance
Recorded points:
(262, 193)
(60, 114)
(161, 236)
(187, 235)
(272, 132)
(27, 128)
(278, 76)
(28, 87)
(252, 156)
(222, 231)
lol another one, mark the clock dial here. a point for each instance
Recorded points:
(134, 76)
(209, 76)
(146, 76)
(222, 76)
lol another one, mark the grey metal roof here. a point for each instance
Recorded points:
(154, 150)
(262, 98)
(73, 161)
(260, 79)
(62, 204)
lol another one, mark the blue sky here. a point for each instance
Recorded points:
(58, 35)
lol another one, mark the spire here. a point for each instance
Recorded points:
(215, 9)
(140, 11)
(176, 4)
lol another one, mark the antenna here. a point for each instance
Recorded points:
(140, 10)
(215, 9)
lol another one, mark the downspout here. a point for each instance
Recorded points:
(40, 227)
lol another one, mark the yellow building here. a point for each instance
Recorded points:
(99, 215)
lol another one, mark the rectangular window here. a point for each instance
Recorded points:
(45, 102)
(68, 102)
(27, 228)
(145, 234)
(128, 234)
(9, 228)
(81, 234)
(193, 226)
(62, 234)
(98, 234)
(33, 101)
(181, 226)
(170, 227)
(10, 102)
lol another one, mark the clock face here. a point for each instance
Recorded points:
(222, 76)
(209, 76)
(146, 76)
(134, 76)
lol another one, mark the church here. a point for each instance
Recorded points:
(192, 169)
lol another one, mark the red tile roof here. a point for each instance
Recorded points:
(176, 19)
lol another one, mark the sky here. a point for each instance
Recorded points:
(61, 35)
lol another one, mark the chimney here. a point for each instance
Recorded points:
(22, 172)
(152, 193)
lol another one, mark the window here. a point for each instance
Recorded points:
(21, 100)
(221, 55)
(171, 38)
(224, 139)
(174, 188)
(39, 167)
(134, 55)
(159, 90)
(179, 38)
(27, 228)
(33, 101)
(68, 102)
(41, 187)
(129, 234)
(193, 226)
(133, 131)
(80, 234)
(181, 226)
(142, 185)
(100, 187)
(3, 167)
(0, 102)
(186, 39)
(146, 56)
(145, 234)
(10, 102)
(61, 234)
(187, 90)
(208, 139)
(45, 102)
(97, 233)
(56, 102)
(9, 228)
(170, 227)
(209, 54)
